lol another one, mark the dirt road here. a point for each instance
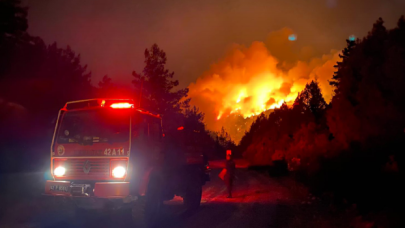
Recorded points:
(259, 201)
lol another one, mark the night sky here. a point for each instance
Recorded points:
(111, 35)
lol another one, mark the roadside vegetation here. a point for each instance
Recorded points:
(351, 149)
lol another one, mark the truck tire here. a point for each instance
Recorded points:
(192, 197)
(146, 211)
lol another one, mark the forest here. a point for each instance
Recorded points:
(352, 147)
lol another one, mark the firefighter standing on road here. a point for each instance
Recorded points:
(230, 174)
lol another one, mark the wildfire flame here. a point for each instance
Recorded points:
(219, 116)
(250, 80)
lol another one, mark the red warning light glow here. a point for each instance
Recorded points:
(121, 105)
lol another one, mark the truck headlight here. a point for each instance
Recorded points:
(119, 172)
(59, 171)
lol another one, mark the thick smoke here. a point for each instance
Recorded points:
(250, 80)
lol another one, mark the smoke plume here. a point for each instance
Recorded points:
(250, 80)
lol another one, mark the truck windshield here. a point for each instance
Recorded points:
(94, 126)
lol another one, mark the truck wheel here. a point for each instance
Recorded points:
(146, 211)
(192, 197)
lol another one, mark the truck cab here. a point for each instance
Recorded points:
(107, 153)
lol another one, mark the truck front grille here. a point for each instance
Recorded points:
(86, 169)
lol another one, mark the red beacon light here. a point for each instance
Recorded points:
(122, 105)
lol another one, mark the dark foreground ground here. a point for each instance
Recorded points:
(259, 201)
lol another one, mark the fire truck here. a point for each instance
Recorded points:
(105, 153)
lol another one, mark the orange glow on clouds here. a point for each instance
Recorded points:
(250, 80)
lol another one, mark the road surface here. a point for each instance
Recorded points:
(259, 201)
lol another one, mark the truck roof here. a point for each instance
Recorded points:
(103, 103)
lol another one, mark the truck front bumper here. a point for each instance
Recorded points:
(96, 196)
(100, 189)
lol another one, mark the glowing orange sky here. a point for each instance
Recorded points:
(111, 36)
(261, 68)
(250, 80)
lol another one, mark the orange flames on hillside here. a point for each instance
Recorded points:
(250, 80)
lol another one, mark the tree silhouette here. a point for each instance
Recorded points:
(13, 27)
(106, 83)
(156, 91)
(42, 79)
(197, 137)
(340, 66)
(311, 100)
(369, 98)
(36, 80)
(194, 119)
(156, 85)
(13, 18)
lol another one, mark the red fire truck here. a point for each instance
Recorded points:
(106, 153)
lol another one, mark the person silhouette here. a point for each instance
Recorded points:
(230, 174)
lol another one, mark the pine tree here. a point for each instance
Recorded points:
(156, 85)
(194, 119)
(13, 18)
(401, 23)
(337, 77)
(311, 100)
(13, 35)
(378, 29)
